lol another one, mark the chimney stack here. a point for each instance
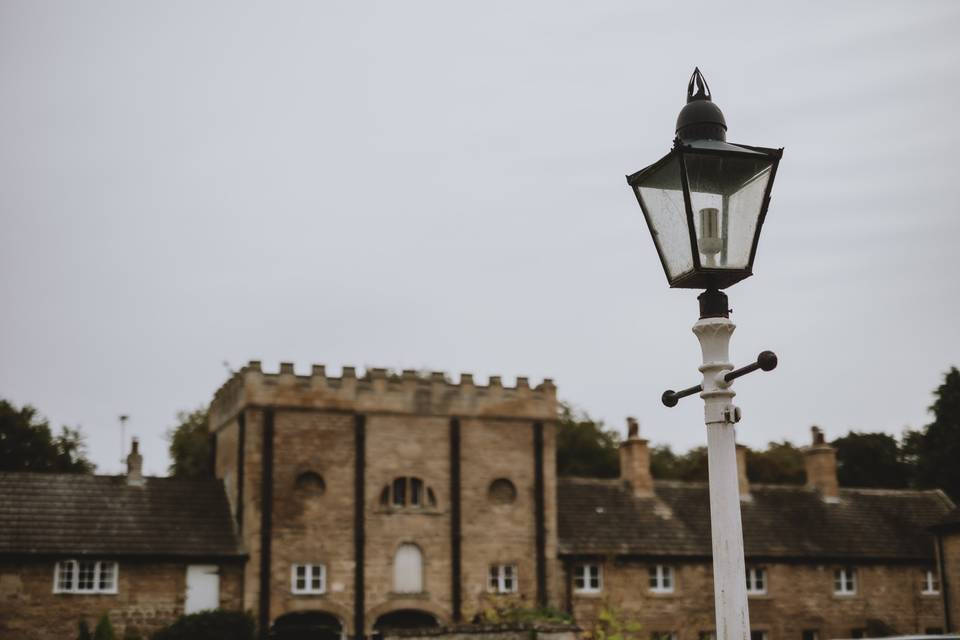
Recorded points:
(742, 479)
(135, 466)
(635, 461)
(820, 460)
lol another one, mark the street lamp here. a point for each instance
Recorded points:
(705, 203)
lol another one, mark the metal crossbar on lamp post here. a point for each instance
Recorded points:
(705, 203)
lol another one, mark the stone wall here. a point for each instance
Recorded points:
(490, 632)
(149, 596)
(950, 541)
(799, 597)
(312, 526)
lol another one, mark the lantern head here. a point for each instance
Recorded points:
(706, 200)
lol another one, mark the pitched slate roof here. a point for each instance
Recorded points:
(603, 517)
(53, 513)
(949, 522)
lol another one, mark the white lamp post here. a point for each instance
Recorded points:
(705, 203)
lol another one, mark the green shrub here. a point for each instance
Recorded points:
(83, 632)
(104, 630)
(210, 625)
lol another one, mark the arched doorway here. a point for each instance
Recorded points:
(307, 625)
(404, 619)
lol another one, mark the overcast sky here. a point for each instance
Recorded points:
(441, 185)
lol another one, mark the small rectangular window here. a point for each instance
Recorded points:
(502, 578)
(587, 578)
(85, 576)
(931, 583)
(308, 578)
(845, 581)
(810, 634)
(759, 635)
(756, 581)
(858, 633)
(661, 579)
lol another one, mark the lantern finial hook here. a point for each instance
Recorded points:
(700, 118)
(703, 89)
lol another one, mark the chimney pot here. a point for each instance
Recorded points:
(820, 461)
(635, 461)
(135, 465)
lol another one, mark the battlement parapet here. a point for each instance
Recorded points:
(382, 390)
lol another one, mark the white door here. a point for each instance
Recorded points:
(203, 587)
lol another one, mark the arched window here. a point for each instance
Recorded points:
(408, 569)
(407, 491)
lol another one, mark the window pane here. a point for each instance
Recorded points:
(732, 189)
(400, 492)
(85, 576)
(65, 575)
(416, 491)
(301, 577)
(107, 572)
(667, 582)
(661, 193)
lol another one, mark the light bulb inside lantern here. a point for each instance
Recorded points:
(710, 242)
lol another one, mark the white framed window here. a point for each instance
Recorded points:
(931, 583)
(85, 576)
(588, 578)
(661, 578)
(845, 581)
(308, 578)
(756, 581)
(502, 578)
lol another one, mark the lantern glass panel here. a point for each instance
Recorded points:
(726, 195)
(661, 194)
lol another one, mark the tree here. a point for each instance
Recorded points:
(584, 447)
(934, 450)
(780, 463)
(690, 466)
(190, 445)
(870, 460)
(104, 630)
(27, 443)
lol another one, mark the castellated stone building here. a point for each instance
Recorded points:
(388, 500)
(352, 505)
